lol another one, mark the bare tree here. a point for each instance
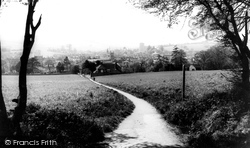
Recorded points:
(230, 17)
(29, 39)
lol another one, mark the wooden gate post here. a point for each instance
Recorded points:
(183, 82)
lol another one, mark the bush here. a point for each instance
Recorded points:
(66, 128)
(75, 69)
(109, 112)
(220, 139)
(223, 124)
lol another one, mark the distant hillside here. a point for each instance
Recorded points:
(191, 48)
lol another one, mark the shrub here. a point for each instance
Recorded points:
(223, 124)
(66, 128)
(75, 69)
(109, 112)
(32, 108)
(220, 139)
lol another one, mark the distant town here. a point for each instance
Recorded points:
(68, 59)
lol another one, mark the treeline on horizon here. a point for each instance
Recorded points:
(217, 57)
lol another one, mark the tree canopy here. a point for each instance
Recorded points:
(50, 62)
(220, 13)
(215, 58)
(179, 58)
(67, 63)
(33, 65)
(89, 65)
(60, 67)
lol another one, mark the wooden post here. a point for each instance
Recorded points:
(183, 82)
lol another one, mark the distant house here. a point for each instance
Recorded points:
(192, 68)
(100, 69)
(101, 60)
(197, 66)
(107, 68)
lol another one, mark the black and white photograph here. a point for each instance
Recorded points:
(125, 73)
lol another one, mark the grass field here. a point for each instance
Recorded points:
(53, 89)
(197, 82)
(62, 105)
(213, 113)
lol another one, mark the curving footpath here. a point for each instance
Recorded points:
(143, 128)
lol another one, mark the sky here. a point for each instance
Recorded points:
(88, 25)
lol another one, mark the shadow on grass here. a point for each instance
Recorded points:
(153, 145)
(113, 140)
(118, 138)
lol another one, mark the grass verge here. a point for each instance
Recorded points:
(216, 119)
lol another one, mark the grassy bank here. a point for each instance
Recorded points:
(67, 109)
(213, 113)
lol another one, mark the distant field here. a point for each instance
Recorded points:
(197, 82)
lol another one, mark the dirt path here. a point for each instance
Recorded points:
(143, 128)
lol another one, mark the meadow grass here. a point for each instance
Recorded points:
(68, 109)
(213, 113)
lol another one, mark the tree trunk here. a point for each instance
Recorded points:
(22, 99)
(20, 108)
(244, 56)
(4, 128)
(246, 72)
(29, 40)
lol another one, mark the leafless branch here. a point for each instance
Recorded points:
(38, 24)
(230, 8)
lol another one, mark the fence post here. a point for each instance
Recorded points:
(183, 82)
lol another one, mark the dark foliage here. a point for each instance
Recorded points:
(157, 66)
(66, 63)
(179, 58)
(89, 65)
(217, 57)
(60, 67)
(75, 69)
(32, 66)
(64, 127)
(138, 67)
